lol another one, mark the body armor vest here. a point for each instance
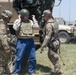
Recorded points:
(55, 29)
(25, 30)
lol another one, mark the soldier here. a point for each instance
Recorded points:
(4, 45)
(25, 43)
(51, 40)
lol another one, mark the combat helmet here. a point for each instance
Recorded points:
(24, 12)
(47, 12)
(7, 14)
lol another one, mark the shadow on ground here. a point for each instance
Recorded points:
(45, 70)
(73, 41)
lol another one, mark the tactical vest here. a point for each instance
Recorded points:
(25, 31)
(54, 25)
(55, 28)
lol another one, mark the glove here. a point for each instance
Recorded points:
(7, 51)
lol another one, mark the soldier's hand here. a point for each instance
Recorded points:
(7, 51)
(7, 48)
(19, 17)
(33, 16)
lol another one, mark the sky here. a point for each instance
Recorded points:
(66, 10)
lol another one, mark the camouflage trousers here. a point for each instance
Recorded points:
(54, 58)
(4, 58)
(3, 61)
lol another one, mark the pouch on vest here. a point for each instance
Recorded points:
(54, 44)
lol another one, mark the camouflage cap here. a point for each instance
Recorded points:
(7, 14)
(47, 12)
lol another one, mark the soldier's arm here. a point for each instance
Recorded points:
(48, 35)
(4, 41)
(16, 24)
(3, 37)
(35, 22)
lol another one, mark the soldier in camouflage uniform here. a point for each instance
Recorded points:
(4, 45)
(25, 49)
(50, 33)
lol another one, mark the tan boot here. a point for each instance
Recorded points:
(59, 73)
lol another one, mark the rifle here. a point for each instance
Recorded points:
(61, 59)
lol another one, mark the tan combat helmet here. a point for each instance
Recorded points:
(47, 12)
(7, 14)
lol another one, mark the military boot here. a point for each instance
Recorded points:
(59, 73)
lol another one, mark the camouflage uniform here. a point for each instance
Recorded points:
(4, 45)
(50, 32)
